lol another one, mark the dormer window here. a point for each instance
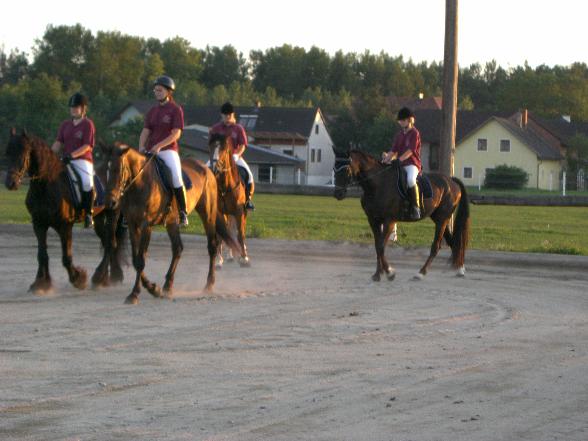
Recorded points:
(248, 121)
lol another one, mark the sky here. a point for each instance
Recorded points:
(511, 32)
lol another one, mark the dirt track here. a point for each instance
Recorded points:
(302, 346)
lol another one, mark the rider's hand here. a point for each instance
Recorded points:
(66, 159)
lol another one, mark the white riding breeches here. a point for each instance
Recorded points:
(86, 171)
(412, 171)
(241, 163)
(172, 160)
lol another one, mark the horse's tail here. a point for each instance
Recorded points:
(223, 232)
(461, 227)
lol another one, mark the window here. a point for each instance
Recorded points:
(482, 145)
(248, 121)
(264, 173)
(505, 145)
(318, 155)
(467, 173)
(312, 153)
(316, 129)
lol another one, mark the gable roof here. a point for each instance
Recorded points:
(533, 139)
(560, 128)
(198, 140)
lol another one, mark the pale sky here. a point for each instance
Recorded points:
(509, 31)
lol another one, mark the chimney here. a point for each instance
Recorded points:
(524, 118)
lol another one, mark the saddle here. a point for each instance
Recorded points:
(166, 177)
(74, 182)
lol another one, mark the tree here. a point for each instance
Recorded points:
(62, 52)
(14, 67)
(182, 62)
(280, 68)
(223, 66)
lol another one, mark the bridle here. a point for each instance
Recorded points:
(219, 168)
(355, 180)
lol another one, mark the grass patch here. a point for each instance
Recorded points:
(558, 230)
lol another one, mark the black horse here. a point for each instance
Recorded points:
(50, 204)
(384, 206)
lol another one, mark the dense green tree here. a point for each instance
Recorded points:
(223, 66)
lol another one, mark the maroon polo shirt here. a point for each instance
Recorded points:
(234, 131)
(75, 136)
(161, 120)
(411, 140)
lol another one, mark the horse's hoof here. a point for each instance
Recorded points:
(41, 288)
(418, 277)
(376, 277)
(460, 272)
(208, 288)
(80, 279)
(218, 267)
(154, 290)
(245, 263)
(230, 259)
(132, 299)
(116, 277)
(391, 276)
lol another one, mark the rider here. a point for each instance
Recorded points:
(161, 131)
(229, 128)
(76, 136)
(407, 149)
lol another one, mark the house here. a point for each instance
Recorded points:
(266, 165)
(297, 132)
(515, 141)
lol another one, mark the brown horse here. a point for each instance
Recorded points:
(135, 185)
(50, 204)
(231, 190)
(383, 205)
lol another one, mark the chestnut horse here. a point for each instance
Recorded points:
(231, 190)
(50, 204)
(384, 206)
(135, 185)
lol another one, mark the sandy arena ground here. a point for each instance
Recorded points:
(301, 346)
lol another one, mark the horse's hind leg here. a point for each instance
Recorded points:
(117, 227)
(151, 287)
(77, 276)
(241, 225)
(376, 227)
(173, 231)
(440, 226)
(139, 250)
(42, 282)
(388, 228)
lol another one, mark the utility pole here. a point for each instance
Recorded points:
(450, 71)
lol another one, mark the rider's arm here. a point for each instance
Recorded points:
(56, 147)
(174, 136)
(81, 151)
(143, 138)
(240, 150)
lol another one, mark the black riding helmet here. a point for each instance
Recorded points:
(77, 99)
(405, 113)
(166, 82)
(227, 108)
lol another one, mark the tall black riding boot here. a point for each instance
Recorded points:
(88, 207)
(248, 204)
(180, 194)
(415, 211)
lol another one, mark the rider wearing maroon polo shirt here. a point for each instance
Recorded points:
(76, 136)
(161, 131)
(407, 148)
(230, 129)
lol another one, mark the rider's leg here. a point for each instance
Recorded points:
(85, 170)
(413, 191)
(172, 160)
(250, 187)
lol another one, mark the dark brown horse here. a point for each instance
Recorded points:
(134, 185)
(50, 204)
(384, 206)
(231, 190)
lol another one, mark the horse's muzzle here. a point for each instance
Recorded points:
(11, 182)
(340, 193)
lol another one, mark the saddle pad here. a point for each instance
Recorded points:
(165, 174)
(75, 188)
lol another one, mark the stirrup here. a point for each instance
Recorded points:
(249, 205)
(415, 213)
(88, 221)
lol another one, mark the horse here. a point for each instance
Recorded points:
(384, 206)
(50, 203)
(135, 186)
(231, 191)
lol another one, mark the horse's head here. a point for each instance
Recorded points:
(117, 174)
(18, 153)
(343, 176)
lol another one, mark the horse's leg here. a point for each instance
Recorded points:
(100, 277)
(151, 287)
(42, 282)
(241, 226)
(134, 235)
(232, 229)
(376, 227)
(388, 227)
(212, 246)
(118, 233)
(440, 226)
(77, 276)
(219, 256)
(173, 231)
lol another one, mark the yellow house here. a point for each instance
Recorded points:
(500, 141)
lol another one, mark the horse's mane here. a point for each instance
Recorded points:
(49, 166)
(366, 157)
